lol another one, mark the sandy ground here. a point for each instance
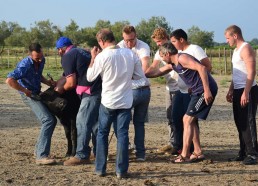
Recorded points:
(19, 130)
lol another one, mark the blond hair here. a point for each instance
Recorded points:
(233, 29)
(160, 33)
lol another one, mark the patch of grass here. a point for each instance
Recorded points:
(224, 82)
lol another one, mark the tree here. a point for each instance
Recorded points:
(254, 42)
(102, 24)
(145, 29)
(117, 28)
(73, 32)
(89, 36)
(43, 33)
(18, 37)
(201, 38)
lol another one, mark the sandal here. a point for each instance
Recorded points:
(181, 159)
(196, 157)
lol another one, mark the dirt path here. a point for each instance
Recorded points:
(19, 130)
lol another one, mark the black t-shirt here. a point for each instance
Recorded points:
(76, 61)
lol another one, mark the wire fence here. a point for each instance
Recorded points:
(220, 58)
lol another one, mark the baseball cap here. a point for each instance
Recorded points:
(62, 42)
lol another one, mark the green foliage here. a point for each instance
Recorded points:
(145, 29)
(201, 38)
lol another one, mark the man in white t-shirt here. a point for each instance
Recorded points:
(141, 88)
(179, 39)
(160, 37)
(117, 67)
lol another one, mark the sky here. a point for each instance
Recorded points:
(208, 15)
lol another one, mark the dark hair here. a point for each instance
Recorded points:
(168, 47)
(35, 47)
(128, 29)
(105, 35)
(179, 33)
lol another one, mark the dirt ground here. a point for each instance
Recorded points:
(19, 130)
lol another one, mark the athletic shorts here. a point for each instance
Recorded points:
(197, 107)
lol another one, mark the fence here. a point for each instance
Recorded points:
(220, 58)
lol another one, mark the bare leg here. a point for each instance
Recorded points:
(191, 134)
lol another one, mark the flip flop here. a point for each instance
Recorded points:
(181, 159)
(196, 157)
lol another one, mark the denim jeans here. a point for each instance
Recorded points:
(141, 100)
(180, 106)
(48, 124)
(86, 121)
(121, 120)
(170, 97)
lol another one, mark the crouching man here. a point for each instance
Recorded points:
(204, 89)
(27, 78)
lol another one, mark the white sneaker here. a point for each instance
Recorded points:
(140, 159)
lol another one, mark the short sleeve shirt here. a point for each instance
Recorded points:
(76, 61)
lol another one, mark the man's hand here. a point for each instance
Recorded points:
(244, 99)
(94, 52)
(208, 97)
(27, 92)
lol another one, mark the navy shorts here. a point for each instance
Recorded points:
(198, 108)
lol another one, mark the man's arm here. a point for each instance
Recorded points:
(145, 63)
(70, 83)
(157, 72)
(247, 55)
(229, 96)
(207, 63)
(188, 62)
(15, 85)
(47, 82)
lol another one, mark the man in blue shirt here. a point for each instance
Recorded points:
(27, 78)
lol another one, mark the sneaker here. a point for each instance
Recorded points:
(122, 175)
(140, 159)
(45, 161)
(250, 160)
(76, 161)
(100, 174)
(237, 158)
(164, 149)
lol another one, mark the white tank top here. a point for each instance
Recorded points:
(239, 69)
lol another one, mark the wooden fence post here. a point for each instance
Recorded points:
(225, 61)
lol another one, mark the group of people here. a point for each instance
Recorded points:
(112, 83)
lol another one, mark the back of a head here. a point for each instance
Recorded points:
(168, 47)
(179, 33)
(63, 42)
(128, 29)
(160, 34)
(35, 47)
(105, 35)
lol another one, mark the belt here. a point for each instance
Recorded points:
(144, 87)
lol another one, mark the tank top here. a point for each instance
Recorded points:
(239, 69)
(193, 79)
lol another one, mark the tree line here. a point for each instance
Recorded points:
(46, 33)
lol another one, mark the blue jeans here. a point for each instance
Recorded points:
(180, 106)
(48, 123)
(141, 100)
(170, 98)
(86, 121)
(121, 120)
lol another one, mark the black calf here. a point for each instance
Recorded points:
(65, 107)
